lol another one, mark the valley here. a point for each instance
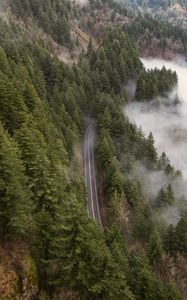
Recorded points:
(92, 150)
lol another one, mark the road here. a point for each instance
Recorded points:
(90, 175)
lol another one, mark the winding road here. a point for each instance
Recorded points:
(90, 175)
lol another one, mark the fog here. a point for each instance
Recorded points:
(80, 1)
(169, 127)
(168, 123)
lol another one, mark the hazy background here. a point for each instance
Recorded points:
(169, 127)
(168, 124)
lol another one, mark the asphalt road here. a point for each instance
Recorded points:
(90, 175)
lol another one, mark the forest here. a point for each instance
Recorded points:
(146, 31)
(164, 4)
(43, 214)
(154, 83)
(51, 16)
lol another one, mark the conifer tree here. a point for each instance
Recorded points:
(15, 203)
(4, 64)
(154, 248)
(170, 242)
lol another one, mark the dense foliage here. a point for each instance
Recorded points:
(147, 31)
(176, 237)
(137, 4)
(112, 66)
(51, 16)
(42, 193)
(120, 145)
(154, 83)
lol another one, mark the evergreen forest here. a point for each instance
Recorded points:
(50, 248)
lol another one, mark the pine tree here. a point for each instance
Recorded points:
(154, 248)
(80, 259)
(4, 64)
(162, 198)
(151, 150)
(116, 82)
(104, 154)
(15, 203)
(170, 242)
(105, 82)
(170, 195)
(163, 161)
(13, 110)
(34, 153)
(90, 46)
(181, 233)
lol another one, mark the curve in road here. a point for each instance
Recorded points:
(90, 175)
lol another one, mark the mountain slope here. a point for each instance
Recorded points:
(164, 4)
(50, 247)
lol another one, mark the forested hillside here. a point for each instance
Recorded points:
(164, 4)
(154, 83)
(51, 16)
(157, 38)
(173, 11)
(153, 36)
(50, 248)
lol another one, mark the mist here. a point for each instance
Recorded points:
(168, 123)
(82, 2)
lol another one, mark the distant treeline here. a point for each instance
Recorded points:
(154, 83)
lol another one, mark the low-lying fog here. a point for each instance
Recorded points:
(169, 127)
(168, 124)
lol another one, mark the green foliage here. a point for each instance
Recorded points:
(144, 283)
(133, 192)
(166, 196)
(77, 241)
(154, 83)
(42, 194)
(171, 240)
(154, 248)
(142, 226)
(176, 237)
(38, 134)
(163, 161)
(118, 140)
(181, 233)
(15, 203)
(4, 64)
(116, 61)
(13, 108)
(137, 4)
(151, 150)
(147, 31)
(51, 16)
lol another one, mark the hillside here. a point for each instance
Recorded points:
(155, 37)
(164, 4)
(173, 11)
(50, 247)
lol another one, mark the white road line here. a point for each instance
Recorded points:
(90, 176)
(85, 169)
(95, 185)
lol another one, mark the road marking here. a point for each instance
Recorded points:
(90, 176)
(95, 185)
(85, 168)
(86, 146)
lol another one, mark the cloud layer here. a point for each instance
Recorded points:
(168, 124)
